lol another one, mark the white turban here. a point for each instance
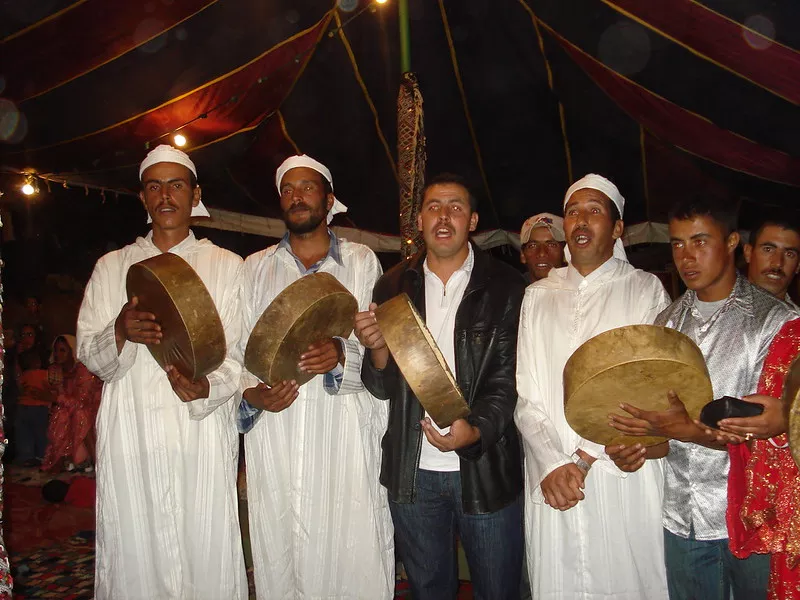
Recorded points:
(165, 153)
(601, 184)
(304, 160)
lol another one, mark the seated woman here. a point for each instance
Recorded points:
(72, 421)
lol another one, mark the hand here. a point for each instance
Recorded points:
(272, 399)
(321, 357)
(369, 334)
(461, 435)
(136, 326)
(770, 423)
(186, 389)
(722, 438)
(627, 458)
(673, 423)
(563, 488)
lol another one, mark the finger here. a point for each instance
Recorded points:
(742, 423)
(739, 430)
(434, 437)
(759, 399)
(674, 400)
(631, 467)
(632, 410)
(372, 306)
(629, 421)
(135, 315)
(629, 430)
(632, 452)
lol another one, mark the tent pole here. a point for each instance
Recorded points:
(405, 36)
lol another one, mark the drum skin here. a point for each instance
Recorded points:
(193, 338)
(791, 400)
(638, 365)
(314, 308)
(420, 360)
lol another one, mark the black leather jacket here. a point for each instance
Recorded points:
(485, 352)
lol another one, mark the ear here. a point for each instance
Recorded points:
(525, 262)
(733, 241)
(196, 195)
(141, 197)
(748, 252)
(473, 221)
(619, 227)
(419, 222)
(329, 202)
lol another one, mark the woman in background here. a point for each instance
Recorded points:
(72, 421)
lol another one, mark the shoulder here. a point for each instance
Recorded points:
(358, 253)
(504, 273)
(116, 259)
(223, 254)
(252, 262)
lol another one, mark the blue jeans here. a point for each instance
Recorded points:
(425, 534)
(31, 431)
(706, 570)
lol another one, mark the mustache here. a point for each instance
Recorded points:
(773, 272)
(164, 203)
(299, 206)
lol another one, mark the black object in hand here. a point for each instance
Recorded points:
(727, 408)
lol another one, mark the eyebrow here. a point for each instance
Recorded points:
(174, 179)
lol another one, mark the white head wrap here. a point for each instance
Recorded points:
(166, 153)
(601, 184)
(303, 160)
(553, 223)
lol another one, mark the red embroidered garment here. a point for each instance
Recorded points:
(73, 416)
(763, 486)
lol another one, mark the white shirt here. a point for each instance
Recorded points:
(441, 305)
(609, 546)
(320, 525)
(167, 508)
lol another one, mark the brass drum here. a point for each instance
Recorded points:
(791, 400)
(313, 308)
(194, 341)
(637, 365)
(420, 360)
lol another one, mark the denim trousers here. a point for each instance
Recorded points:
(31, 431)
(706, 570)
(425, 538)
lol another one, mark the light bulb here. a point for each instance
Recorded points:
(28, 189)
(180, 140)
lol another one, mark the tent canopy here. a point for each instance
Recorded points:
(521, 96)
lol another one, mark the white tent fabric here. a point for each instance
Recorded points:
(641, 233)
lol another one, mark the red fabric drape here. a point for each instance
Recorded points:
(723, 41)
(684, 129)
(82, 38)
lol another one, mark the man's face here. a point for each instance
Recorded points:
(703, 254)
(27, 338)
(773, 259)
(303, 201)
(61, 352)
(168, 195)
(446, 219)
(589, 228)
(541, 253)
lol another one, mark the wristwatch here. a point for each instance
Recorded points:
(582, 464)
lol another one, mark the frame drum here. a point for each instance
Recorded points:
(194, 341)
(638, 365)
(316, 307)
(791, 400)
(420, 360)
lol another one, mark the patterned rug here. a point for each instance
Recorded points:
(64, 570)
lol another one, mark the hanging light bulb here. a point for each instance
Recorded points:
(381, 1)
(28, 188)
(180, 140)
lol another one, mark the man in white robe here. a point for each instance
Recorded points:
(167, 518)
(590, 535)
(319, 519)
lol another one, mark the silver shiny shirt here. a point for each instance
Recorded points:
(734, 342)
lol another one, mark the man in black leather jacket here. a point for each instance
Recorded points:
(466, 478)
